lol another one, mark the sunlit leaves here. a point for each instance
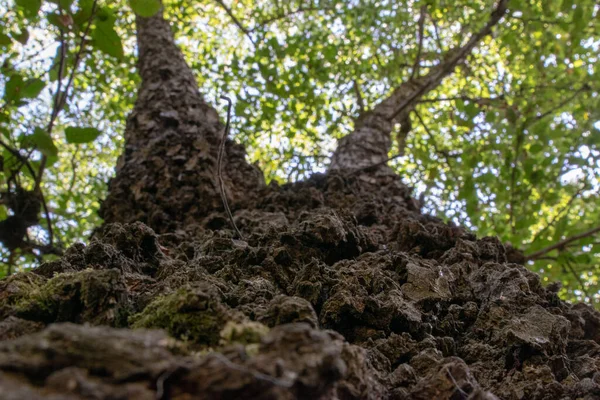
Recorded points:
(81, 135)
(145, 8)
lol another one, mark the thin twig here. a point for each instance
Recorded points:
(437, 33)
(18, 155)
(420, 48)
(220, 166)
(235, 20)
(558, 214)
(581, 283)
(368, 167)
(359, 98)
(562, 243)
(289, 14)
(562, 103)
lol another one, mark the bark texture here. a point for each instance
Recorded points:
(342, 289)
(166, 176)
(371, 141)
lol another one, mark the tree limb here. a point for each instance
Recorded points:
(578, 277)
(563, 243)
(452, 59)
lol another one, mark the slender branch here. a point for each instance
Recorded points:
(562, 244)
(18, 155)
(476, 100)
(420, 45)
(79, 52)
(368, 167)
(558, 214)
(299, 10)
(220, 167)
(437, 33)
(578, 277)
(433, 142)
(562, 103)
(60, 97)
(236, 21)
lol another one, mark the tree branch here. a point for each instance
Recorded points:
(578, 277)
(60, 97)
(562, 244)
(235, 20)
(299, 10)
(453, 58)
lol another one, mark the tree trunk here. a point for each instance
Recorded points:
(167, 174)
(342, 290)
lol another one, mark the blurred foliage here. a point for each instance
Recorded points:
(508, 145)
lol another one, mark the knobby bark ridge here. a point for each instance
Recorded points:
(342, 288)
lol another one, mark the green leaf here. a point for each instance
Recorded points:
(145, 8)
(32, 88)
(65, 4)
(12, 90)
(4, 40)
(107, 40)
(81, 135)
(17, 88)
(30, 7)
(44, 142)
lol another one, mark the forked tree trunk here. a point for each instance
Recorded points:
(166, 176)
(342, 291)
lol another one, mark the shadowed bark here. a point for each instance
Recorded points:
(370, 142)
(166, 176)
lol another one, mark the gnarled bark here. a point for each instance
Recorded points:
(166, 176)
(370, 142)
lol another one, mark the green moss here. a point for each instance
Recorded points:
(95, 296)
(19, 286)
(247, 332)
(194, 314)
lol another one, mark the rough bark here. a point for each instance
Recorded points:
(370, 142)
(166, 176)
(342, 290)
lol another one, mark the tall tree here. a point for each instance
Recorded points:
(340, 287)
